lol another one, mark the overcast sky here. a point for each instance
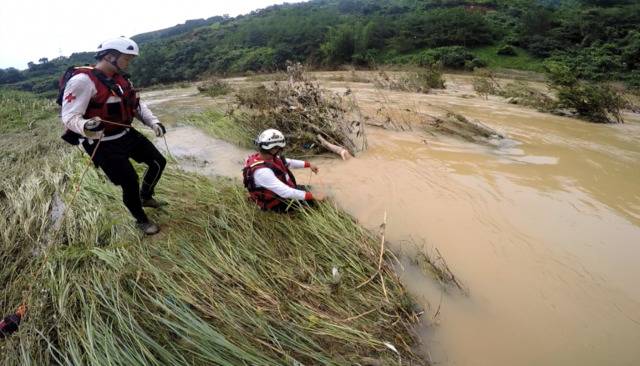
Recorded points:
(32, 29)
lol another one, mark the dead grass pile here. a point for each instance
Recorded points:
(214, 87)
(523, 94)
(485, 84)
(518, 92)
(458, 125)
(304, 112)
(419, 81)
(434, 263)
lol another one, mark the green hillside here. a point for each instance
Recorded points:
(596, 38)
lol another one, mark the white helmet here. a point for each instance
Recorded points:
(270, 138)
(120, 44)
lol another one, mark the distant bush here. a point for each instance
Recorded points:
(453, 57)
(214, 87)
(507, 50)
(594, 102)
(484, 83)
(430, 77)
(632, 80)
(420, 81)
(476, 63)
(542, 46)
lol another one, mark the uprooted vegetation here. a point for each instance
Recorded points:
(309, 116)
(223, 283)
(419, 81)
(449, 123)
(214, 87)
(432, 262)
(523, 94)
(595, 102)
(484, 83)
(455, 124)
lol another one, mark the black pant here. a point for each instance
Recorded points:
(113, 158)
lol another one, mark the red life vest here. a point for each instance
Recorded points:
(265, 198)
(120, 111)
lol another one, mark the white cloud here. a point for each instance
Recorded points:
(32, 29)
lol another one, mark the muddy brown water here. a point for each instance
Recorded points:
(543, 229)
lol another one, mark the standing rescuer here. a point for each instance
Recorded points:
(98, 104)
(268, 178)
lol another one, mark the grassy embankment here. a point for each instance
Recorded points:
(222, 283)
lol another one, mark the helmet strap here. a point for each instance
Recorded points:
(114, 62)
(272, 152)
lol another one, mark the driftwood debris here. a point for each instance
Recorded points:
(458, 125)
(344, 153)
(302, 110)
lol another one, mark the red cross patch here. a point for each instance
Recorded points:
(70, 97)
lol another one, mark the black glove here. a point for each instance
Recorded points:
(93, 125)
(159, 129)
(9, 325)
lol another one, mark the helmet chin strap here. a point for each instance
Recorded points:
(273, 152)
(114, 63)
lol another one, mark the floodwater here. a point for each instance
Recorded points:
(543, 229)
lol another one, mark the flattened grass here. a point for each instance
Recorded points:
(223, 283)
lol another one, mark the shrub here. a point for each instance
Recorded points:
(430, 77)
(507, 50)
(594, 102)
(476, 63)
(214, 87)
(484, 83)
(453, 57)
(632, 80)
(421, 81)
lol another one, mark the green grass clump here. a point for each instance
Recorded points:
(220, 125)
(222, 284)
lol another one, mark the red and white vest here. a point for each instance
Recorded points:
(265, 198)
(120, 111)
